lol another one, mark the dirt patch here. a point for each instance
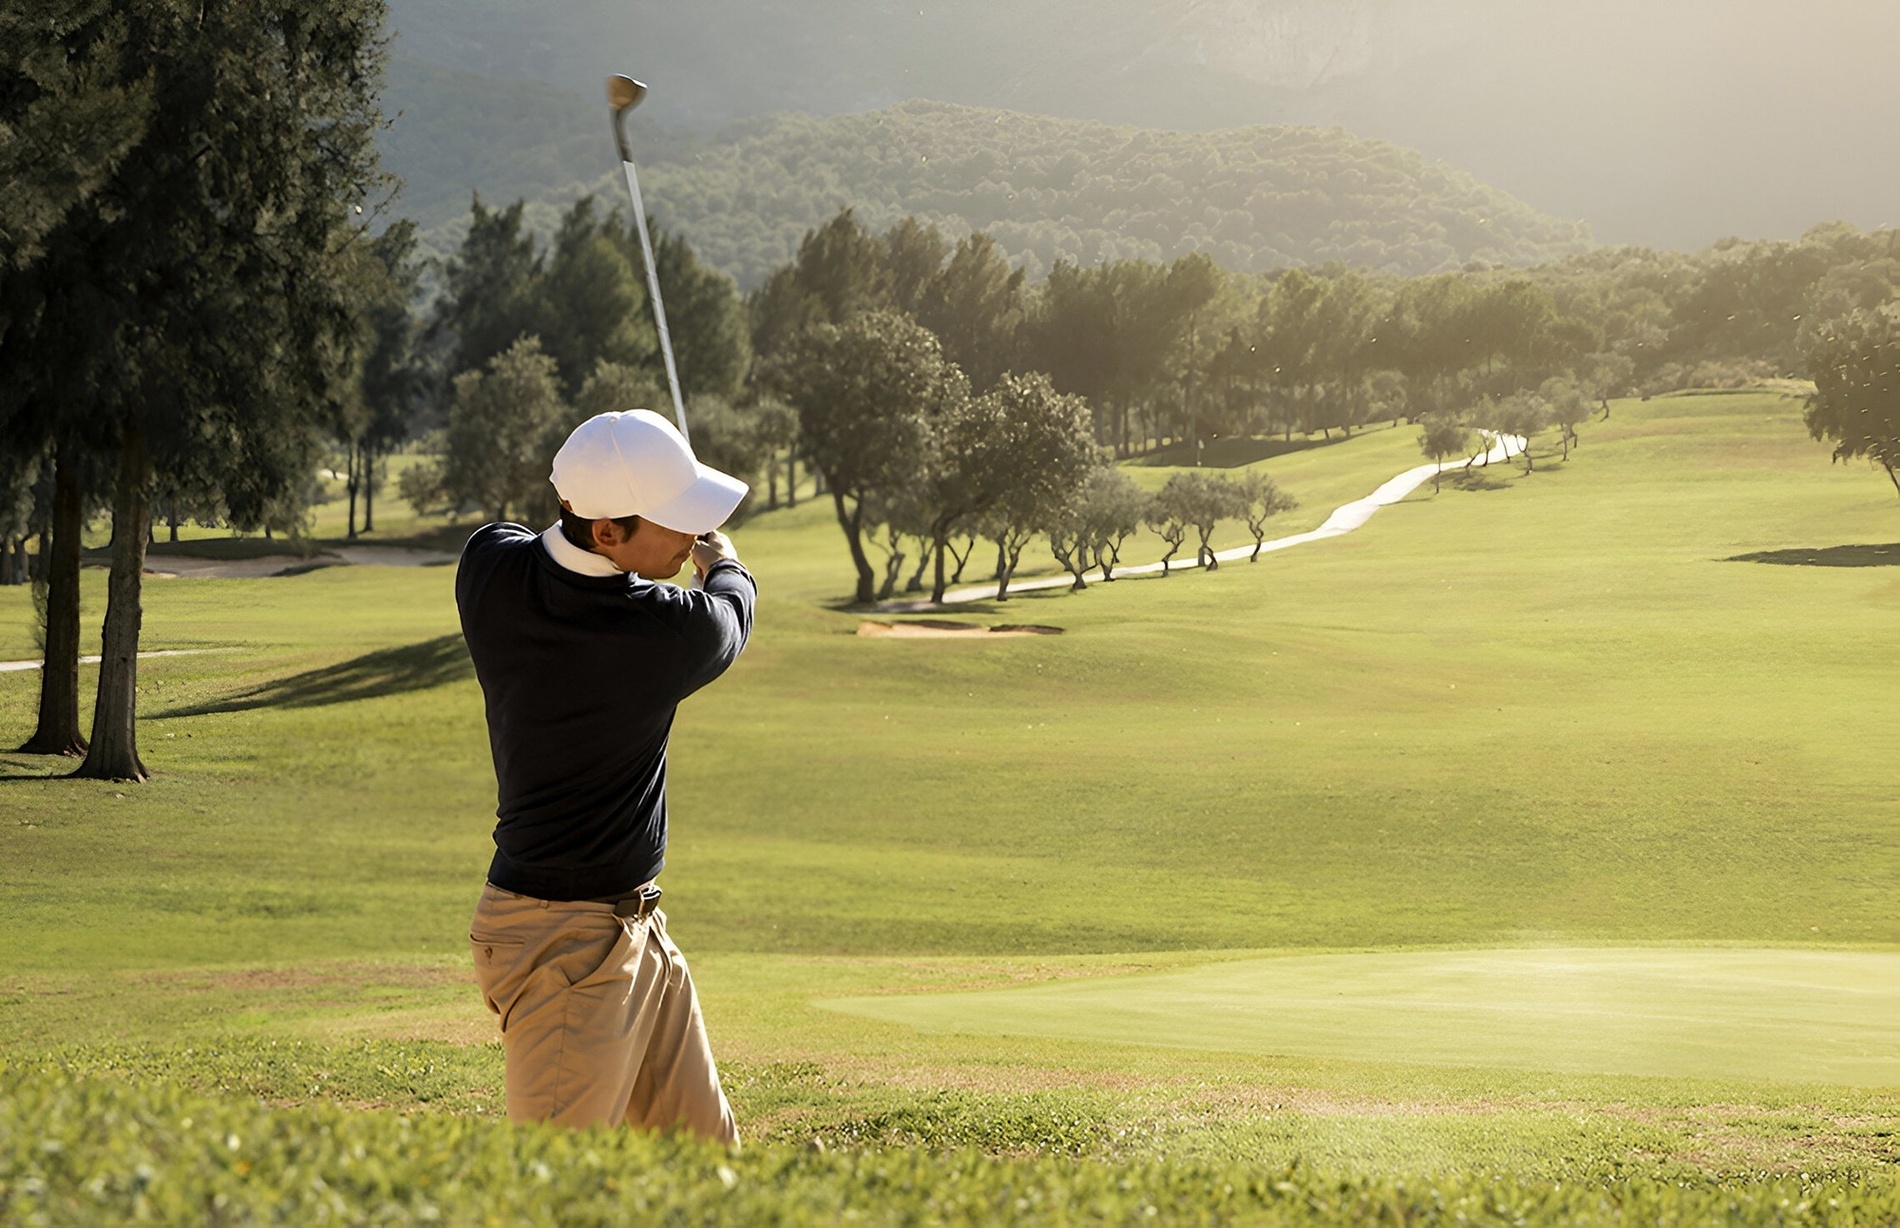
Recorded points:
(926, 628)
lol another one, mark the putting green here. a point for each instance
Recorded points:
(1774, 1015)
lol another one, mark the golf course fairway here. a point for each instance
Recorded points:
(1755, 1015)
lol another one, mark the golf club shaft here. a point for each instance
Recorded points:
(653, 291)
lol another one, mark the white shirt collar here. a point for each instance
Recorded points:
(575, 559)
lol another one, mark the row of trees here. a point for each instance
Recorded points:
(182, 271)
(1156, 354)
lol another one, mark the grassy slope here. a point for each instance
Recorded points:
(1546, 711)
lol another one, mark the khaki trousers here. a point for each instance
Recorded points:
(599, 1022)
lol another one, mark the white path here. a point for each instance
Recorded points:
(7, 667)
(1343, 520)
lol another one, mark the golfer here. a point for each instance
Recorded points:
(583, 657)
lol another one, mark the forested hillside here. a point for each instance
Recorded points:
(1667, 125)
(1046, 189)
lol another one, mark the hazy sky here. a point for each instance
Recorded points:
(1671, 122)
(1674, 122)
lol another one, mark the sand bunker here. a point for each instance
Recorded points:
(925, 628)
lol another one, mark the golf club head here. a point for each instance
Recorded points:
(624, 93)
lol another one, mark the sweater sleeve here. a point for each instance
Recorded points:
(715, 623)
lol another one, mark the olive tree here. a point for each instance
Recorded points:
(1260, 499)
(866, 392)
(1855, 365)
(1445, 435)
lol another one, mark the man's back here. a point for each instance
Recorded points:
(581, 675)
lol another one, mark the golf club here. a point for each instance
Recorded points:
(623, 95)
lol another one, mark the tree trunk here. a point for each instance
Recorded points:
(369, 490)
(350, 484)
(916, 582)
(1259, 538)
(939, 581)
(791, 479)
(771, 483)
(853, 525)
(114, 754)
(58, 732)
(956, 577)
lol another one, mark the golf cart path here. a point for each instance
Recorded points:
(8, 667)
(188, 567)
(1344, 519)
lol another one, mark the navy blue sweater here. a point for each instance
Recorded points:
(581, 675)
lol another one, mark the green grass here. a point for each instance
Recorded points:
(1796, 1016)
(1548, 710)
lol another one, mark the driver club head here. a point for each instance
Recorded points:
(624, 93)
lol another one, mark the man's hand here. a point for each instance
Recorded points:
(709, 549)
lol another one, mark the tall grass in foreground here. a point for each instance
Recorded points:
(76, 1150)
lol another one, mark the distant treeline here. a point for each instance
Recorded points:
(912, 327)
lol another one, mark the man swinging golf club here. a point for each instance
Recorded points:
(582, 658)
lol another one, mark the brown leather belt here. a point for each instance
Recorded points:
(639, 905)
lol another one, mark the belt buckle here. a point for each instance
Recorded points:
(639, 907)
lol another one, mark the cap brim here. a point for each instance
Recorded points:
(701, 507)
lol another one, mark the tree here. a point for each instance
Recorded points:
(1115, 509)
(1566, 405)
(588, 305)
(712, 341)
(70, 114)
(1260, 497)
(1023, 441)
(776, 424)
(395, 374)
(1088, 530)
(388, 373)
(1201, 501)
(503, 425)
(488, 300)
(1523, 414)
(1170, 515)
(199, 284)
(1444, 436)
(614, 387)
(732, 439)
(1855, 365)
(865, 392)
(975, 306)
(912, 257)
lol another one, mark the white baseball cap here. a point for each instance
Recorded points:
(637, 463)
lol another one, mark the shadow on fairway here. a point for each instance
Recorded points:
(387, 671)
(1826, 556)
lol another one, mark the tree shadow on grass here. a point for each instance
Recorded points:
(387, 671)
(1825, 556)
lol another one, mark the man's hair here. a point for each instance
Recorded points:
(579, 529)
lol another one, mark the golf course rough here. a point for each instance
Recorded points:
(1599, 710)
(79, 1151)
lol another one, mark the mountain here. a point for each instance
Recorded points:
(1046, 189)
(1664, 124)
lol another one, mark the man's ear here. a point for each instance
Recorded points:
(608, 533)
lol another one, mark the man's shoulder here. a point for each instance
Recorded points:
(495, 547)
(498, 538)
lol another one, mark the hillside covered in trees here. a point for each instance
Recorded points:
(1657, 123)
(1047, 190)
